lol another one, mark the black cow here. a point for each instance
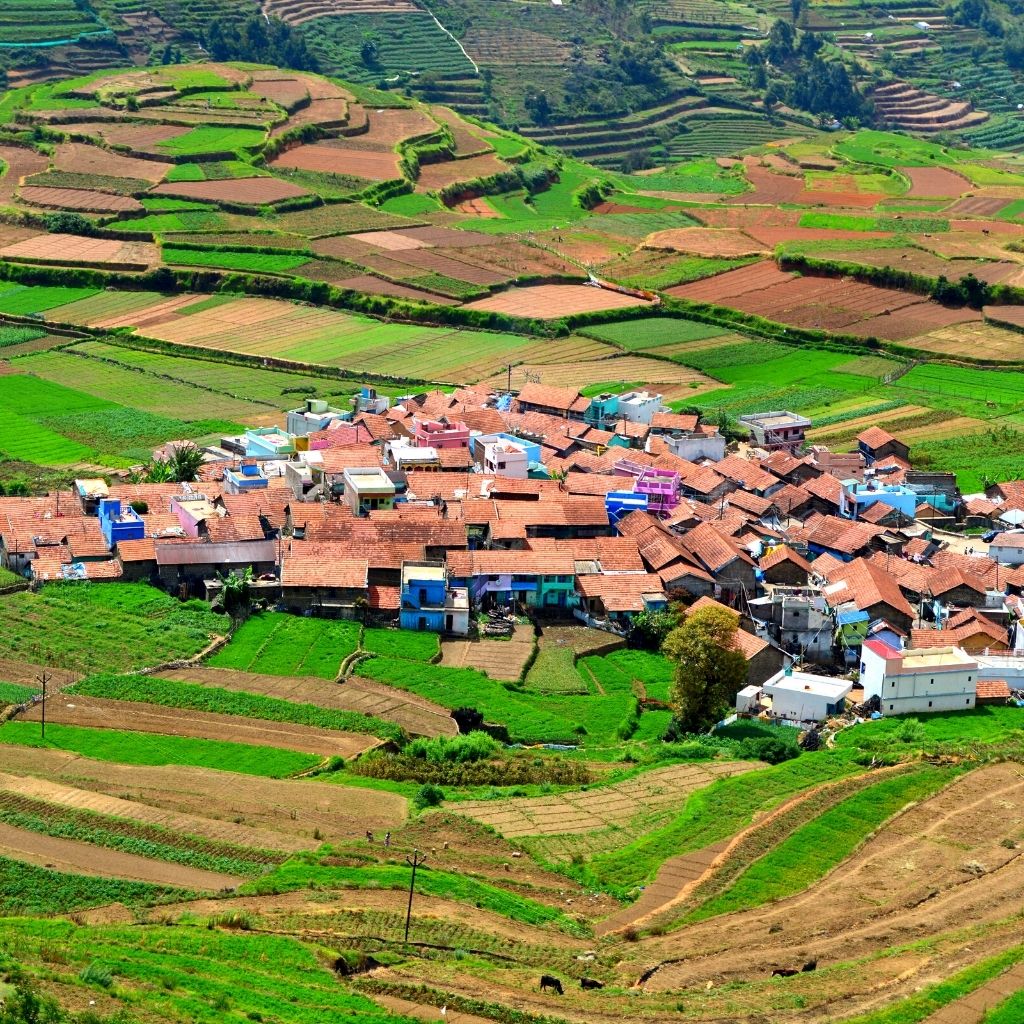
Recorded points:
(811, 965)
(784, 972)
(591, 983)
(547, 981)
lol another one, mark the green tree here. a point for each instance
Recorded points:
(709, 671)
(236, 592)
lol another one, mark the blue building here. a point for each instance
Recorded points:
(249, 477)
(855, 497)
(428, 604)
(117, 523)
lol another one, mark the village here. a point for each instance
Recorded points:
(855, 579)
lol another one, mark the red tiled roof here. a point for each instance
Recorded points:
(143, 550)
(548, 396)
(384, 598)
(711, 549)
(380, 429)
(621, 592)
(865, 585)
(826, 487)
(748, 644)
(745, 472)
(784, 554)
(992, 689)
(875, 437)
(685, 422)
(337, 460)
(463, 564)
(313, 565)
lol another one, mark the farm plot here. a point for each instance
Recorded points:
(373, 165)
(81, 158)
(80, 251)
(209, 139)
(253, 262)
(550, 301)
(68, 855)
(653, 332)
(21, 163)
(708, 242)
(500, 659)
(141, 138)
(293, 809)
(650, 795)
(288, 645)
(341, 219)
(982, 340)
(256, 191)
(99, 713)
(419, 717)
(77, 199)
(433, 177)
(934, 181)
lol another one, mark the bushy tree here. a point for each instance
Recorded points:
(709, 671)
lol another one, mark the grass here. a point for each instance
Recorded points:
(15, 693)
(401, 643)
(212, 139)
(809, 853)
(966, 730)
(275, 643)
(194, 697)
(252, 262)
(152, 749)
(26, 889)
(11, 335)
(24, 300)
(85, 625)
(554, 671)
(1009, 1011)
(652, 332)
(853, 222)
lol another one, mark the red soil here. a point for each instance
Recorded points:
(77, 199)
(81, 158)
(249, 191)
(934, 181)
(335, 160)
(548, 301)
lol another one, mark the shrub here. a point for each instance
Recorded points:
(477, 746)
(428, 796)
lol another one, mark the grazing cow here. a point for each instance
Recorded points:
(547, 981)
(811, 965)
(784, 972)
(590, 983)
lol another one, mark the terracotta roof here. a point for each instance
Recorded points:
(384, 598)
(337, 460)
(782, 463)
(748, 644)
(487, 421)
(789, 498)
(982, 507)
(463, 564)
(685, 422)
(596, 483)
(705, 480)
(565, 510)
(1008, 540)
(875, 437)
(322, 565)
(878, 512)
(621, 592)
(992, 689)
(784, 554)
(711, 549)
(548, 396)
(378, 426)
(745, 472)
(842, 535)
(826, 487)
(615, 554)
(956, 637)
(454, 458)
(865, 585)
(753, 503)
(340, 434)
(143, 550)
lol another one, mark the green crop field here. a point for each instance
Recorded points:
(24, 301)
(15, 693)
(212, 139)
(401, 643)
(23, 22)
(278, 644)
(89, 626)
(652, 332)
(254, 262)
(151, 749)
(554, 671)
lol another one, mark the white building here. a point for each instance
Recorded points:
(918, 681)
(639, 406)
(505, 458)
(1007, 548)
(804, 696)
(696, 446)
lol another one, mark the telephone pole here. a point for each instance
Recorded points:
(43, 680)
(414, 862)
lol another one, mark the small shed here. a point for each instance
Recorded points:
(805, 697)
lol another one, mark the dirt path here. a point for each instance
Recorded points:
(419, 717)
(190, 824)
(973, 1007)
(84, 859)
(97, 712)
(312, 811)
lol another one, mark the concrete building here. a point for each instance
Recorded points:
(1007, 548)
(268, 443)
(119, 523)
(440, 433)
(841, 465)
(855, 497)
(367, 488)
(806, 697)
(247, 478)
(314, 415)
(506, 458)
(798, 619)
(369, 401)
(639, 406)
(696, 445)
(918, 681)
(776, 430)
(428, 603)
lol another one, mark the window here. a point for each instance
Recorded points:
(968, 700)
(890, 707)
(929, 703)
(931, 682)
(893, 684)
(863, 666)
(968, 679)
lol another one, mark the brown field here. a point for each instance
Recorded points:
(392, 241)
(602, 807)
(956, 426)
(27, 673)
(82, 199)
(374, 166)
(279, 87)
(318, 271)
(863, 422)
(769, 187)
(1012, 315)
(99, 713)
(437, 176)
(968, 245)
(21, 163)
(291, 806)
(141, 137)
(909, 321)
(733, 283)
(548, 301)
(500, 659)
(160, 311)
(248, 191)
(934, 181)
(58, 248)
(412, 263)
(981, 340)
(80, 158)
(191, 824)
(476, 208)
(977, 206)
(83, 859)
(745, 217)
(389, 127)
(709, 242)
(416, 715)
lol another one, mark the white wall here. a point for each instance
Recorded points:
(1006, 555)
(939, 688)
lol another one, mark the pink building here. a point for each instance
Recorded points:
(661, 486)
(441, 433)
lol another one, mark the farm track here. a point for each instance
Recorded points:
(296, 808)
(419, 717)
(83, 859)
(98, 712)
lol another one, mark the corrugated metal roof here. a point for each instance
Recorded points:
(237, 553)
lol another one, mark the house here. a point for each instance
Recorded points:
(875, 444)
(537, 579)
(918, 681)
(799, 620)
(732, 568)
(367, 488)
(565, 403)
(855, 497)
(613, 599)
(186, 565)
(1007, 548)
(118, 524)
(323, 578)
(313, 416)
(408, 458)
(776, 430)
(506, 458)
(639, 406)
(784, 567)
(696, 445)
(440, 433)
(250, 476)
(268, 443)
(869, 589)
(369, 401)
(429, 603)
(841, 465)
(764, 659)
(806, 697)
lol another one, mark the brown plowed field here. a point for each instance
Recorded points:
(770, 188)
(142, 137)
(83, 859)
(1012, 315)
(773, 236)
(500, 659)
(375, 285)
(934, 181)
(21, 163)
(390, 127)
(357, 163)
(477, 208)
(80, 158)
(600, 808)
(99, 713)
(733, 283)
(972, 1008)
(437, 176)
(548, 301)
(189, 824)
(283, 89)
(159, 312)
(391, 241)
(710, 242)
(910, 321)
(745, 217)
(58, 248)
(908, 879)
(248, 191)
(433, 261)
(291, 806)
(26, 673)
(415, 714)
(852, 200)
(82, 199)
(977, 206)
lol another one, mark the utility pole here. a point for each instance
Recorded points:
(414, 862)
(43, 680)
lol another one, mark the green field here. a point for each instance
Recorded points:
(212, 139)
(652, 332)
(254, 262)
(152, 749)
(86, 626)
